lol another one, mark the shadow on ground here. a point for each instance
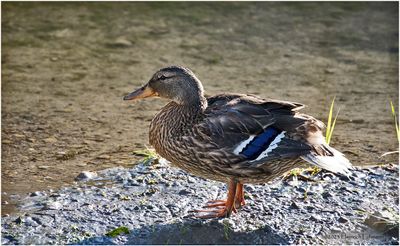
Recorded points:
(192, 231)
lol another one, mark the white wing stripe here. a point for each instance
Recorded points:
(273, 145)
(243, 145)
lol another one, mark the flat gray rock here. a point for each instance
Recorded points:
(154, 203)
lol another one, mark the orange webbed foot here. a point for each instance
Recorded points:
(224, 208)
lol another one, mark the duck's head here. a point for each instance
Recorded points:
(176, 83)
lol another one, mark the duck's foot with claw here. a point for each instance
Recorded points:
(220, 212)
(224, 208)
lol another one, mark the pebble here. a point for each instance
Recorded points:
(184, 192)
(50, 140)
(53, 205)
(294, 205)
(103, 157)
(38, 193)
(343, 220)
(326, 194)
(30, 222)
(85, 176)
(43, 167)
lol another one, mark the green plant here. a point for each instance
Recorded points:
(118, 231)
(148, 154)
(396, 123)
(329, 131)
(331, 125)
(227, 229)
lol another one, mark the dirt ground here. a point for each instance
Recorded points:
(66, 66)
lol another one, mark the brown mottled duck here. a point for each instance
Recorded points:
(232, 138)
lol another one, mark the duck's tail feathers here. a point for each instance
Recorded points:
(335, 162)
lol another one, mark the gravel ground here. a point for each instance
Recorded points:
(154, 201)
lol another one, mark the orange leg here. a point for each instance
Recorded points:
(223, 208)
(239, 197)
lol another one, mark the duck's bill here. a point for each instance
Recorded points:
(140, 93)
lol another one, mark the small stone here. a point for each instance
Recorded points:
(301, 190)
(184, 192)
(329, 71)
(30, 222)
(86, 175)
(294, 205)
(383, 221)
(344, 178)
(62, 155)
(316, 217)
(43, 167)
(103, 157)
(328, 176)
(120, 42)
(37, 193)
(50, 140)
(343, 220)
(53, 205)
(18, 220)
(32, 140)
(326, 194)
(294, 183)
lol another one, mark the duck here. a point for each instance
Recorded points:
(232, 138)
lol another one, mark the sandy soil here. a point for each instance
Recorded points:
(66, 66)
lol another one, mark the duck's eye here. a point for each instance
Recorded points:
(162, 77)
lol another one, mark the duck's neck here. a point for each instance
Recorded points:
(173, 121)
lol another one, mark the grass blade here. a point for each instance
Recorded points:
(330, 126)
(396, 123)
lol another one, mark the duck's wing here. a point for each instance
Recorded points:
(254, 129)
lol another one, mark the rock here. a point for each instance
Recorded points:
(31, 150)
(18, 221)
(120, 42)
(62, 155)
(329, 71)
(344, 178)
(326, 194)
(103, 157)
(184, 192)
(50, 140)
(343, 219)
(55, 205)
(316, 217)
(86, 175)
(294, 205)
(43, 167)
(30, 222)
(37, 193)
(63, 33)
(384, 222)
